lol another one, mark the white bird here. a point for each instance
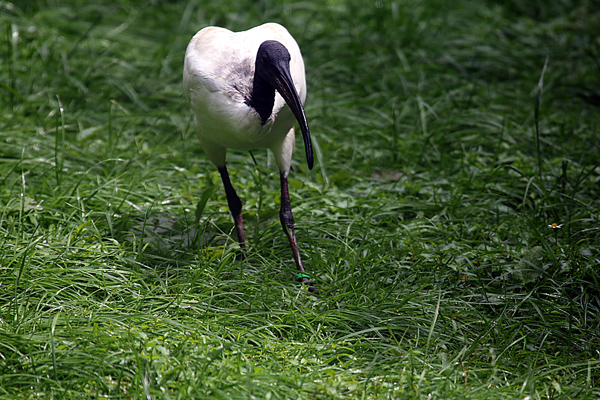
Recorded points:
(245, 88)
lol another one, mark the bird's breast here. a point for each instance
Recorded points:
(224, 120)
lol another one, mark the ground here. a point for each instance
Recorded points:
(451, 222)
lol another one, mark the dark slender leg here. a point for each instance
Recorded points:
(287, 222)
(235, 206)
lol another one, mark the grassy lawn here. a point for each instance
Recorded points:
(450, 136)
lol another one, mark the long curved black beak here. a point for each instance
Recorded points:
(284, 84)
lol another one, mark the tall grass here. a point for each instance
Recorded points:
(452, 222)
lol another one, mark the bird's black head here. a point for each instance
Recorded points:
(272, 72)
(271, 58)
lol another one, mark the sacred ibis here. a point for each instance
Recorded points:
(246, 90)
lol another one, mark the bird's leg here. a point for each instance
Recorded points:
(235, 206)
(287, 222)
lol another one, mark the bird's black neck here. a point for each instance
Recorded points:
(262, 98)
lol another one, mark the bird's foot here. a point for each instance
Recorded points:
(304, 278)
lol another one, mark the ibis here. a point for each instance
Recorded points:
(246, 91)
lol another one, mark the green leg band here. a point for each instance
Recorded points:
(301, 275)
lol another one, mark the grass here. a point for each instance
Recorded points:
(450, 136)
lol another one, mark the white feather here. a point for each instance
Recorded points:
(217, 78)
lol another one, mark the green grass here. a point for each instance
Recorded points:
(450, 135)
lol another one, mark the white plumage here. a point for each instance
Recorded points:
(218, 77)
(246, 90)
